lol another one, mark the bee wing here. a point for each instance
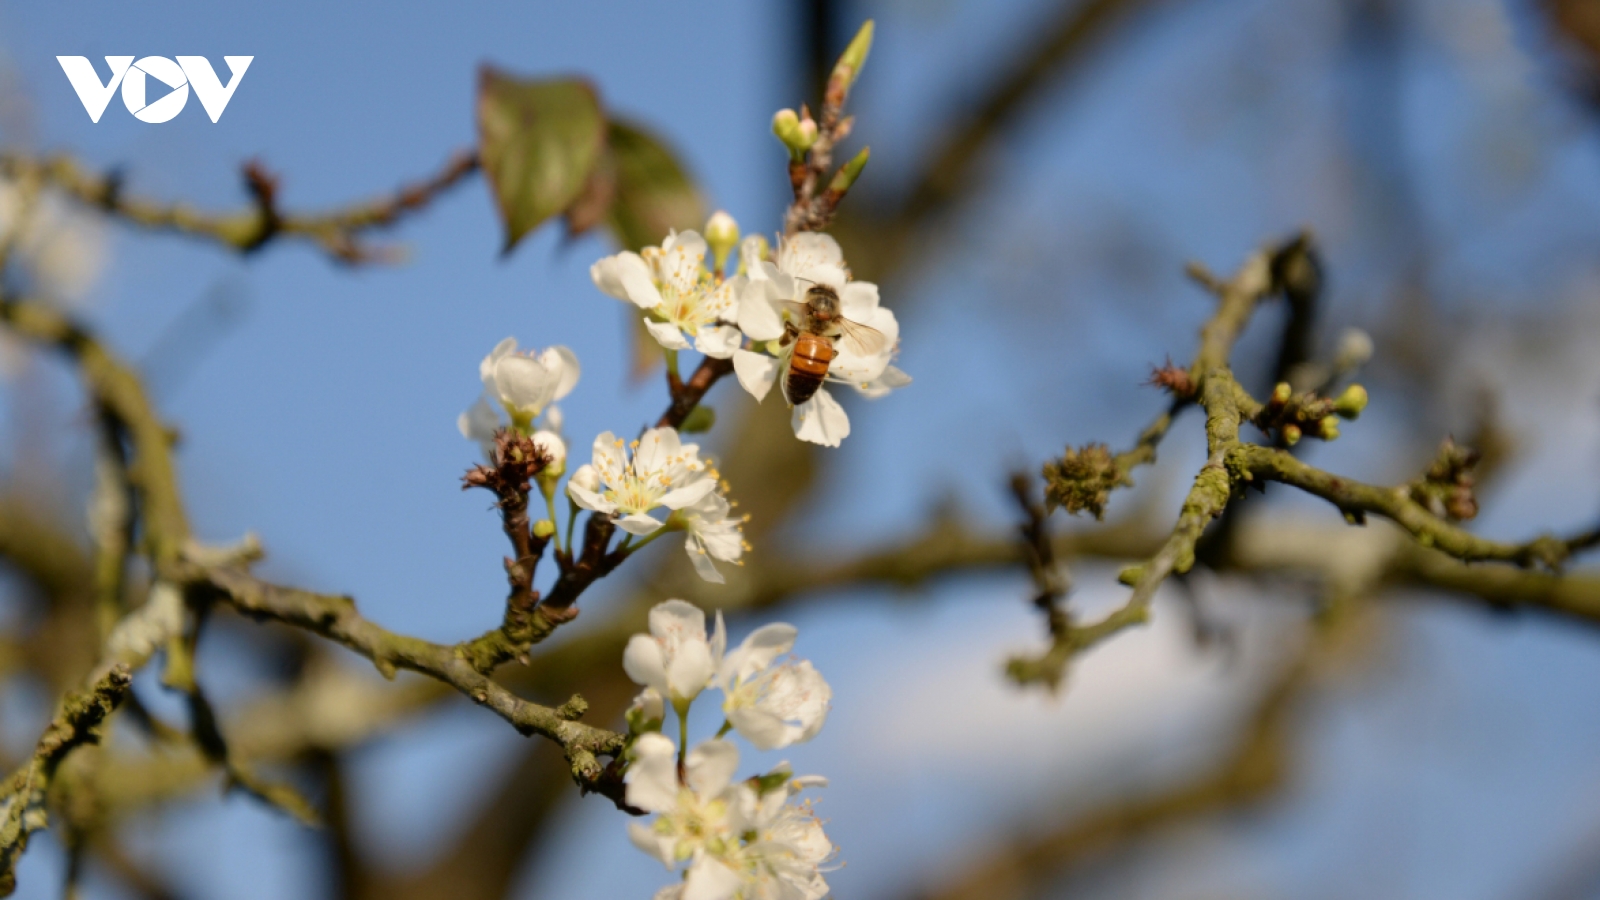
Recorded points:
(862, 340)
(794, 308)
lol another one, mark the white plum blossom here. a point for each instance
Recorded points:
(685, 301)
(661, 472)
(523, 386)
(772, 706)
(785, 849)
(805, 260)
(698, 821)
(739, 843)
(675, 658)
(712, 534)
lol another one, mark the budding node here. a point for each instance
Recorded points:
(1083, 479)
(796, 133)
(1350, 403)
(1446, 488)
(1174, 380)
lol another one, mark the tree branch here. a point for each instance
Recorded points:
(22, 797)
(337, 232)
(336, 618)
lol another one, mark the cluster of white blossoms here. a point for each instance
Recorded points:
(737, 840)
(755, 314)
(624, 481)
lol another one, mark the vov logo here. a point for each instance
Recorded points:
(134, 78)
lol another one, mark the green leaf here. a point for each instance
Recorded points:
(699, 420)
(538, 142)
(653, 192)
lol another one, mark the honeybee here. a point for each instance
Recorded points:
(813, 326)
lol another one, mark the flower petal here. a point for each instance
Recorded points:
(690, 669)
(719, 638)
(756, 371)
(506, 347)
(667, 335)
(858, 300)
(677, 620)
(890, 379)
(710, 767)
(701, 560)
(757, 316)
(760, 727)
(479, 422)
(656, 448)
(633, 275)
(608, 460)
(801, 695)
(761, 647)
(607, 276)
(645, 663)
(589, 499)
(650, 841)
(809, 249)
(821, 420)
(564, 362)
(710, 880)
(653, 777)
(639, 523)
(689, 493)
(718, 341)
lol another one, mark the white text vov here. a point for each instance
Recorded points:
(179, 76)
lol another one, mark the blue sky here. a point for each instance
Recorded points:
(323, 419)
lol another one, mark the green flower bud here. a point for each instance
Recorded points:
(797, 134)
(543, 528)
(1351, 402)
(1328, 428)
(1281, 393)
(1291, 434)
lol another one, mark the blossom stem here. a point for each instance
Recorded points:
(632, 548)
(674, 380)
(548, 489)
(683, 737)
(572, 519)
(727, 726)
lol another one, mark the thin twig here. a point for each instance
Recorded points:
(337, 232)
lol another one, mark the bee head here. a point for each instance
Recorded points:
(823, 301)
